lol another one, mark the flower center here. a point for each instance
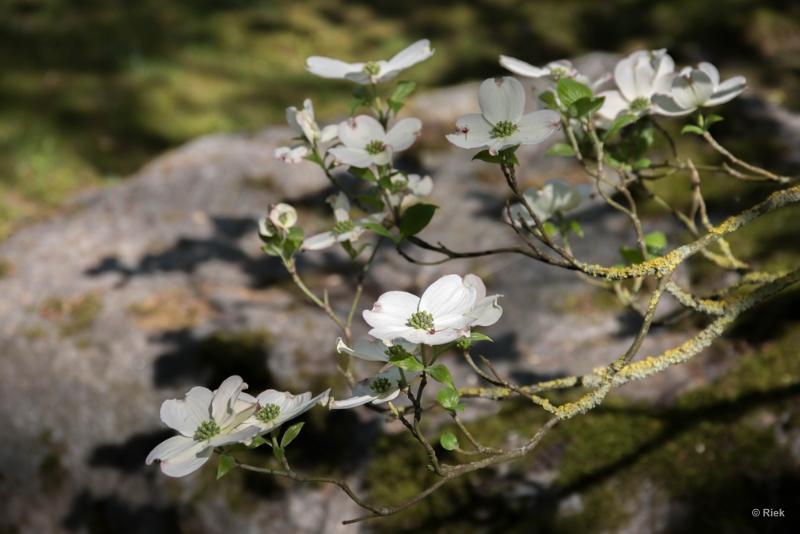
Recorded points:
(342, 227)
(396, 351)
(558, 72)
(375, 147)
(421, 320)
(206, 430)
(381, 385)
(268, 413)
(372, 68)
(640, 104)
(503, 129)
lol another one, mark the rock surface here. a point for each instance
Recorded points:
(140, 290)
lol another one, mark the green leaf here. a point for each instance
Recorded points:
(314, 158)
(586, 106)
(448, 397)
(291, 433)
(441, 373)
(380, 230)
(448, 441)
(711, 119)
(407, 362)
(575, 228)
(258, 441)
(642, 163)
(364, 174)
(484, 155)
(631, 255)
(691, 128)
(655, 242)
(549, 228)
(570, 91)
(225, 464)
(416, 218)
(401, 92)
(549, 100)
(560, 149)
(618, 124)
(372, 200)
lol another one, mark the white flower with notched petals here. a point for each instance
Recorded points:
(375, 350)
(556, 196)
(502, 122)
(303, 122)
(205, 419)
(638, 77)
(345, 229)
(444, 313)
(371, 71)
(406, 190)
(281, 218)
(486, 310)
(291, 155)
(696, 88)
(365, 142)
(554, 71)
(381, 388)
(273, 408)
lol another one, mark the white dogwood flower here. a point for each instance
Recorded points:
(303, 122)
(273, 408)
(553, 71)
(371, 71)
(696, 88)
(365, 142)
(205, 419)
(486, 311)
(638, 77)
(375, 350)
(502, 122)
(291, 155)
(281, 218)
(344, 229)
(381, 388)
(557, 196)
(444, 313)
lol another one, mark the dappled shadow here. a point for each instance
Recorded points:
(128, 456)
(111, 515)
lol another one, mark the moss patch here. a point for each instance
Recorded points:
(74, 316)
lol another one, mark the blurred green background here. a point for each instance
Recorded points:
(92, 89)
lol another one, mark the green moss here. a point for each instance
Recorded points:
(74, 316)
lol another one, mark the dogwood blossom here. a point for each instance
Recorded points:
(281, 218)
(553, 71)
(345, 229)
(696, 88)
(381, 388)
(291, 155)
(273, 408)
(365, 142)
(371, 71)
(502, 122)
(557, 196)
(375, 350)
(205, 419)
(638, 77)
(444, 313)
(303, 122)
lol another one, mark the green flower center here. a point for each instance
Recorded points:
(396, 351)
(206, 430)
(503, 129)
(381, 385)
(371, 68)
(421, 320)
(640, 104)
(375, 147)
(268, 413)
(558, 72)
(342, 227)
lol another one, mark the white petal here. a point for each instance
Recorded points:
(382, 158)
(365, 349)
(486, 312)
(644, 77)
(175, 415)
(169, 448)
(403, 134)
(420, 187)
(613, 105)
(536, 127)
(319, 241)
(624, 76)
(522, 68)
(501, 99)
(355, 157)
(224, 398)
(727, 91)
(291, 119)
(472, 131)
(297, 405)
(341, 207)
(242, 434)
(198, 403)
(448, 295)
(410, 56)
(392, 309)
(359, 131)
(187, 463)
(329, 133)
(664, 65)
(667, 106)
(477, 284)
(711, 70)
(351, 402)
(389, 333)
(442, 337)
(331, 68)
(691, 91)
